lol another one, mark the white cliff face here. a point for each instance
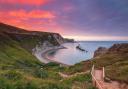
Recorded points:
(36, 41)
(40, 49)
(58, 38)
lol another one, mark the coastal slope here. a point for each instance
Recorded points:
(20, 69)
(26, 40)
(115, 61)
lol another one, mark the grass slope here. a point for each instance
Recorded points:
(19, 69)
(115, 62)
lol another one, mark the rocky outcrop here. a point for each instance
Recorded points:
(116, 48)
(119, 48)
(69, 40)
(58, 38)
(100, 51)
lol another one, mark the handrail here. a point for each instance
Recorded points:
(95, 78)
(97, 82)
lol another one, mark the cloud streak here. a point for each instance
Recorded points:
(25, 2)
(68, 17)
(31, 20)
(32, 14)
(24, 19)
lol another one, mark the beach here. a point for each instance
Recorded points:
(42, 55)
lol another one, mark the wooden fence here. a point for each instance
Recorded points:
(96, 83)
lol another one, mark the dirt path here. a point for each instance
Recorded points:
(112, 85)
(68, 76)
(98, 75)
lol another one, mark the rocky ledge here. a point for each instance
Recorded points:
(100, 51)
(116, 48)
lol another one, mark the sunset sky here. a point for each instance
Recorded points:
(79, 19)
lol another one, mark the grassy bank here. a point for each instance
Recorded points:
(19, 69)
(115, 62)
(79, 67)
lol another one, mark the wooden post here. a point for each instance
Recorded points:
(103, 73)
(93, 69)
(93, 82)
(92, 73)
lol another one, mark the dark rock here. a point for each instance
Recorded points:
(116, 48)
(100, 51)
(120, 48)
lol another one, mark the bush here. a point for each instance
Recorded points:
(51, 64)
(25, 85)
(55, 86)
(40, 73)
(11, 74)
(5, 84)
(82, 78)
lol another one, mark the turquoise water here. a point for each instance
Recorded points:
(71, 55)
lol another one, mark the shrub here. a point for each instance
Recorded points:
(5, 84)
(25, 85)
(12, 74)
(55, 86)
(51, 64)
(41, 73)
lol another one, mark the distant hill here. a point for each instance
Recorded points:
(9, 28)
(29, 39)
(16, 45)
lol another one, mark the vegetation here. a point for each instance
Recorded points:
(19, 69)
(81, 81)
(79, 67)
(115, 62)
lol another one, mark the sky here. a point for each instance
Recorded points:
(78, 19)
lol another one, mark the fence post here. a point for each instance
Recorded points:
(103, 73)
(92, 73)
(94, 80)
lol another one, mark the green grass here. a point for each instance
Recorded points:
(79, 67)
(33, 41)
(115, 63)
(81, 81)
(19, 69)
(17, 57)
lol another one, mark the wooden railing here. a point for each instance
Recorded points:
(94, 80)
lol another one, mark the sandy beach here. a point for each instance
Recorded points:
(42, 55)
(45, 55)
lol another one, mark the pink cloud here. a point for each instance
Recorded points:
(31, 14)
(39, 20)
(26, 2)
(22, 19)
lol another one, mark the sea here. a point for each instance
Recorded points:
(71, 55)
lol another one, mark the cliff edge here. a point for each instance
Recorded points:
(115, 61)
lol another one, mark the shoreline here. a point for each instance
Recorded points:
(45, 55)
